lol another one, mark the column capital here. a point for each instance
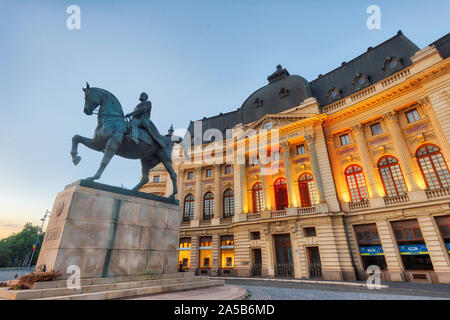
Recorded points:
(423, 101)
(284, 146)
(358, 128)
(390, 116)
(309, 138)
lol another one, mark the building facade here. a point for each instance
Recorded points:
(361, 175)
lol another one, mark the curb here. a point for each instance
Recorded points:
(353, 284)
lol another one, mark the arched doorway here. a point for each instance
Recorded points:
(257, 195)
(307, 190)
(281, 196)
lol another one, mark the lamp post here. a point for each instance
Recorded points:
(37, 238)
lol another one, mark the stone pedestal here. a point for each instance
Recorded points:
(108, 231)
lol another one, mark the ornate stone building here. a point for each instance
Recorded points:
(362, 174)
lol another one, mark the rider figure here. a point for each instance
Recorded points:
(141, 118)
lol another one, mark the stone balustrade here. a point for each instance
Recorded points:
(438, 193)
(354, 206)
(389, 201)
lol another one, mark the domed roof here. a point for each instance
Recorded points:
(283, 92)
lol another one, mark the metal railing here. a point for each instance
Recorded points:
(438, 193)
(315, 270)
(256, 270)
(284, 270)
(389, 201)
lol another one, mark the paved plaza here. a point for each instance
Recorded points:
(281, 290)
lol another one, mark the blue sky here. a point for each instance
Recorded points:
(193, 58)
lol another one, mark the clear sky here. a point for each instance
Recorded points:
(193, 58)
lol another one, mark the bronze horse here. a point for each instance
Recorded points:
(111, 138)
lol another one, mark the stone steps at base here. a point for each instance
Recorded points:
(85, 289)
(114, 279)
(135, 292)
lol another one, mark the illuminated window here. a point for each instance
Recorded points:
(205, 250)
(208, 206)
(184, 253)
(190, 175)
(356, 183)
(391, 174)
(155, 178)
(412, 115)
(227, 251)
(345, 139)
(301, 149)
(307, 190)
(281, 196)
(209, 172)
(188, 208)
(376, 128)
(227, 169)
(257, 197)
(433, 167)
(228, 203)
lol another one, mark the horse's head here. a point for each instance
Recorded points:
(92, 99)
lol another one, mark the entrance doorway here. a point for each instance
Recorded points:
(256, 263)
(284, 266)
(314, 265)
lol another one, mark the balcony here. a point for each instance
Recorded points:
(390, 201)
(253, 216)
(205, 222)
(306, 210)
(355, 206)
(438, 193)
(278, 213)
(226, 220)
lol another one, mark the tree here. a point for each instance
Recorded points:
(18, 246)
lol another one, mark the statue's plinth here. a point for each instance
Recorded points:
(110, 231)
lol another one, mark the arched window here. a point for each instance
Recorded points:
(433, 166)
(281, 196)
(208, 206)
(356, 183)
(391, 174)
(188, 208)
(257, 195)
(228, 203)
(307, 190)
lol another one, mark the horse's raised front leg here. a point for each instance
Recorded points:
(90, 143)
(110, 150)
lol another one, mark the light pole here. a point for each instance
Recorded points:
(37, 238)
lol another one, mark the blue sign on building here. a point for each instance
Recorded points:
(413, 249)
(448, 247)
(371, 251)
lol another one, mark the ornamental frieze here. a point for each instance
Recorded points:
(379, 140)
(418, 128)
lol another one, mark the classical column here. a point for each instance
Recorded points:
(198, 194)
(293, 201)
(217, 193)
(265, 190)
(403, 152)
(315, 166)
(367, 161)
(243, 187)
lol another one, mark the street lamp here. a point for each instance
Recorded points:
(37, 238)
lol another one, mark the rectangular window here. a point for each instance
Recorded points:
(310, 231)
(209, 172)
(412, 115)
(376, 128)
(301, 149)
(190, 175)
(345, 139)
(155, 178)
(255, 235)
(227, 169)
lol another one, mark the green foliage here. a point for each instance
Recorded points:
(19, 245)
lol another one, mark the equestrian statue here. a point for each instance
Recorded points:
(137, 138)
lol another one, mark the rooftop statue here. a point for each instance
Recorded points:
(115, 135)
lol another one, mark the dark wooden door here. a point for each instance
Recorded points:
(304, 194)
(284, 266)
(281, 197)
